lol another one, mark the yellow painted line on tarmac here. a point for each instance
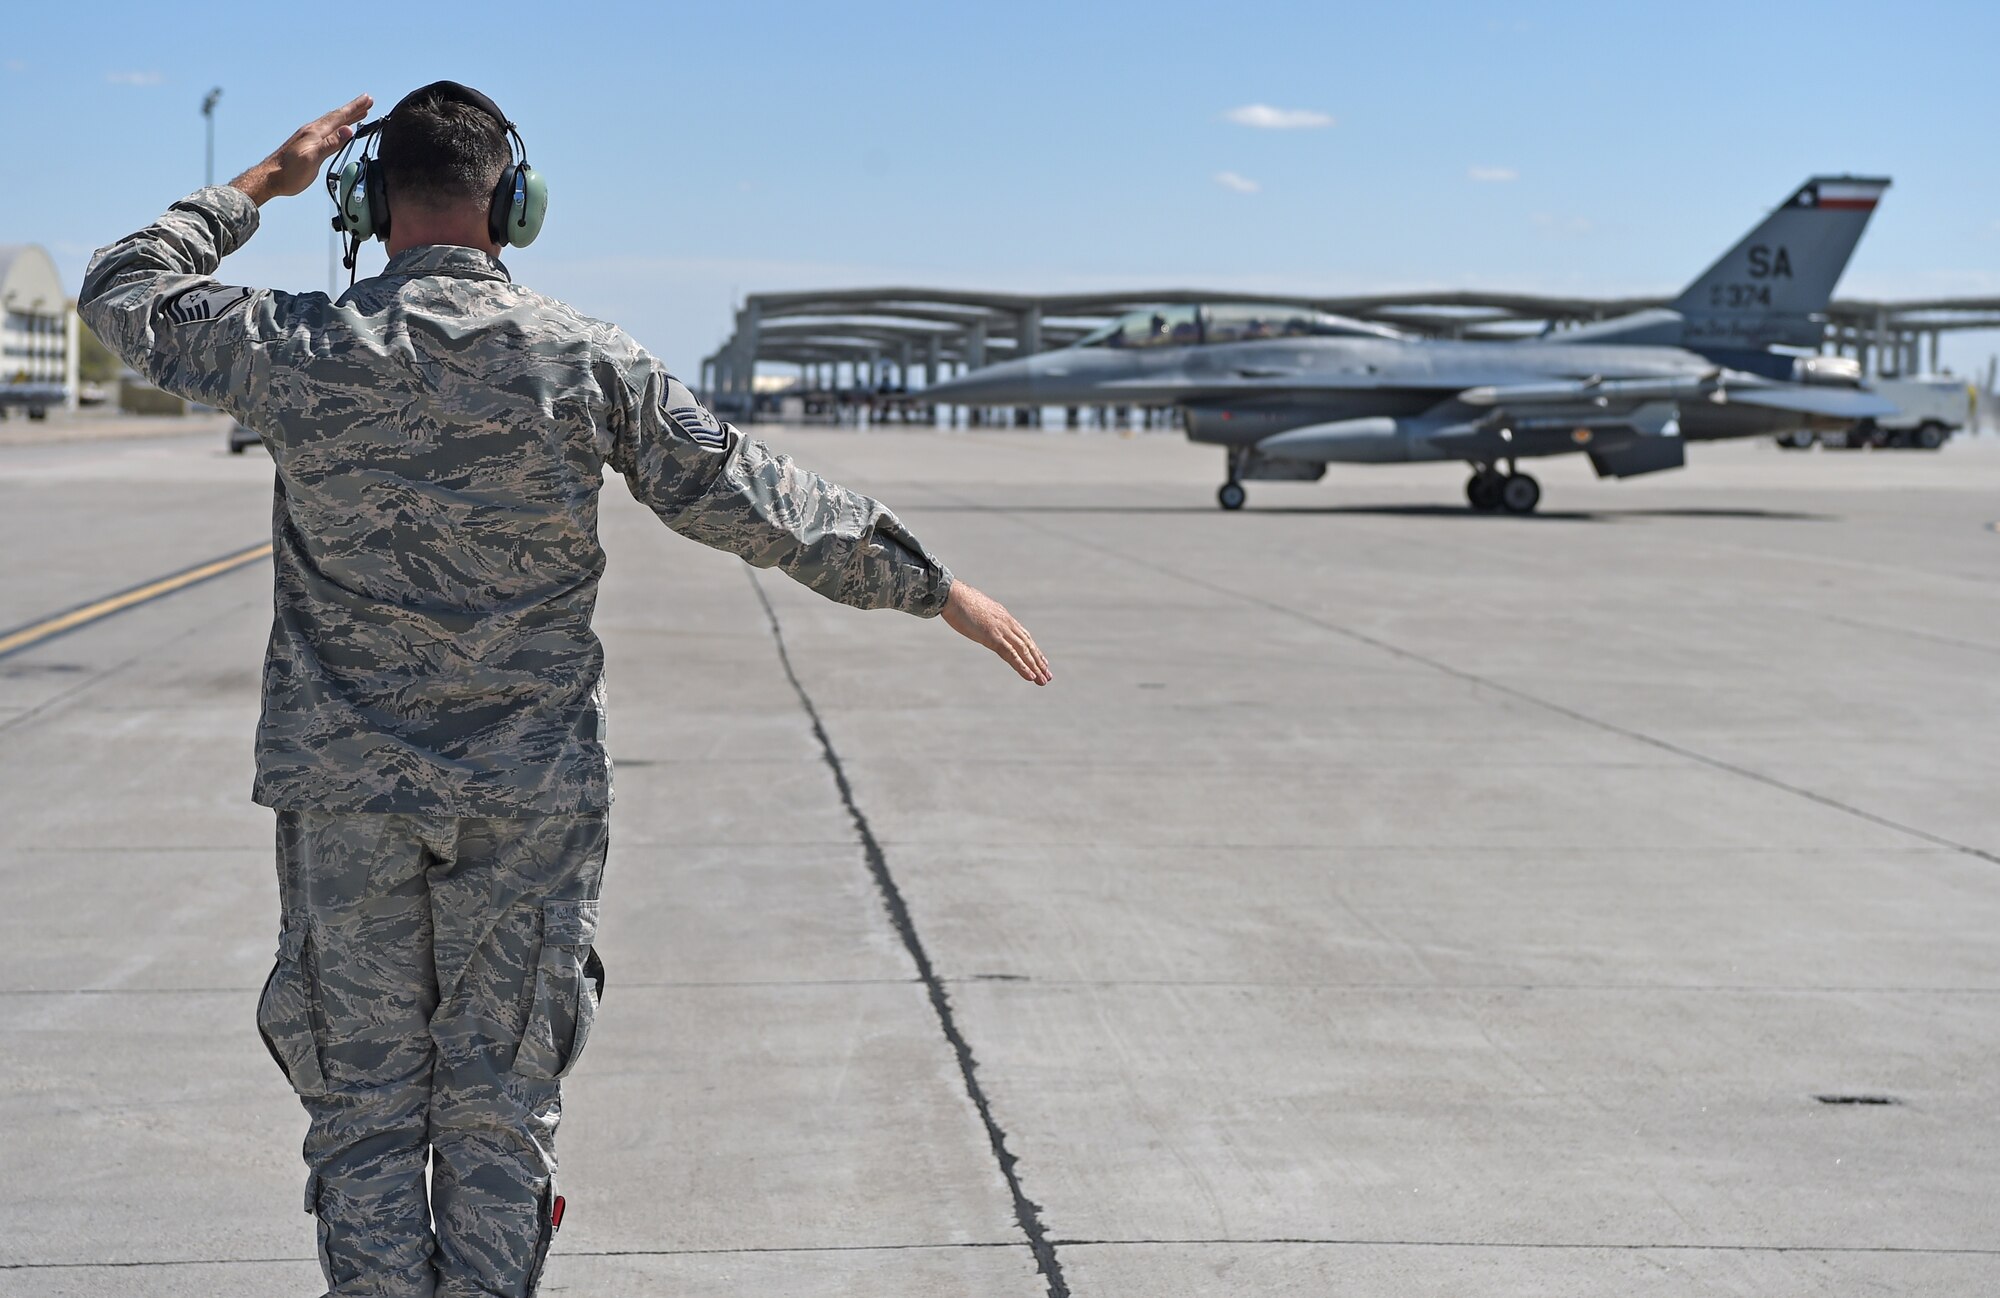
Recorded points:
(35, 633)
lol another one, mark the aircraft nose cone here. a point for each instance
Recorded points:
(1008, 383)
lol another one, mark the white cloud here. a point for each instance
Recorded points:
(1266, 118)
(134, 78)
(1492, 175)
(1241, 184)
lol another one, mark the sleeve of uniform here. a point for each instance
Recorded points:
(151, 297)
(712, 484)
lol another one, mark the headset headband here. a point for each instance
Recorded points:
(457, 90)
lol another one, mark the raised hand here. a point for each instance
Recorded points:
(981, 619)
(295, 165)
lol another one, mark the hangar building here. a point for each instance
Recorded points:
(37, 333)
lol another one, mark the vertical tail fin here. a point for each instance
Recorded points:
(1773, 287)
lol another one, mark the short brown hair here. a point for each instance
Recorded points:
(438, 150)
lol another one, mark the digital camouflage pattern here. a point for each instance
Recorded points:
(435, 980)
(440, 435)
(433, 727)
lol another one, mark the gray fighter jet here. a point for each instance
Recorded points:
(1286, 391)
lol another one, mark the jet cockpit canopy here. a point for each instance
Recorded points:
(1190, 326)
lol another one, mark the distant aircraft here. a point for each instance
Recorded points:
(1287, 391)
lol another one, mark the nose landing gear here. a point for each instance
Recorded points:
(1489, 490)
(1230, 495)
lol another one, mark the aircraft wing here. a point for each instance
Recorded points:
(1719, 386)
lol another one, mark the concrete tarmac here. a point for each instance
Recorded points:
(1383, 899)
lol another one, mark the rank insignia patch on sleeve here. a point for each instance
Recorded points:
(205, 302)
(700, 427)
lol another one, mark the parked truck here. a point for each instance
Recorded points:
(1929, 409)
(35, 398)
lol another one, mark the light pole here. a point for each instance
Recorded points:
(208, 116)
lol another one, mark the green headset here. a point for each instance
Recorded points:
(361, 199)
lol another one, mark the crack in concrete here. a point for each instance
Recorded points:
(1027, 1212)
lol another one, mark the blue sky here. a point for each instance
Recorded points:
(696, 153)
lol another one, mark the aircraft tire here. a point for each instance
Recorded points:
(1482, 490)
(1230, 495)
(1519, 493)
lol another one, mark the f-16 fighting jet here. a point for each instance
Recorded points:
(1287, 391)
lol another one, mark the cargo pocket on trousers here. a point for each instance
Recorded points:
(569, 980)
(285, 1016)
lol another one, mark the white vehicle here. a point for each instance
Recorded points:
(1929, 409)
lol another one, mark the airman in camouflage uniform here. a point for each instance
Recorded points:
(433, 730)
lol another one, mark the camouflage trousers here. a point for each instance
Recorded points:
(435, 981)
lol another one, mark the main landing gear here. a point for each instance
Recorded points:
(1488, 490)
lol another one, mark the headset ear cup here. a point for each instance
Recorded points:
(356, 217)
(534, 208)
(378, 199)
(520, 205)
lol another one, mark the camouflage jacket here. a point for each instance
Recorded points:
(440, 435)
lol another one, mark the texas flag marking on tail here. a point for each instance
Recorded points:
(1841, 195)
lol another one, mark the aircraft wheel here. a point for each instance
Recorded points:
(1230, 495)
(1519, 493)
(1482, 490)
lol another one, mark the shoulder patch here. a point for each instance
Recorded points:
(204, 302)
(699, 426)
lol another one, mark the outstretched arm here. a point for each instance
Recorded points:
(712, 484)
(983, 620)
